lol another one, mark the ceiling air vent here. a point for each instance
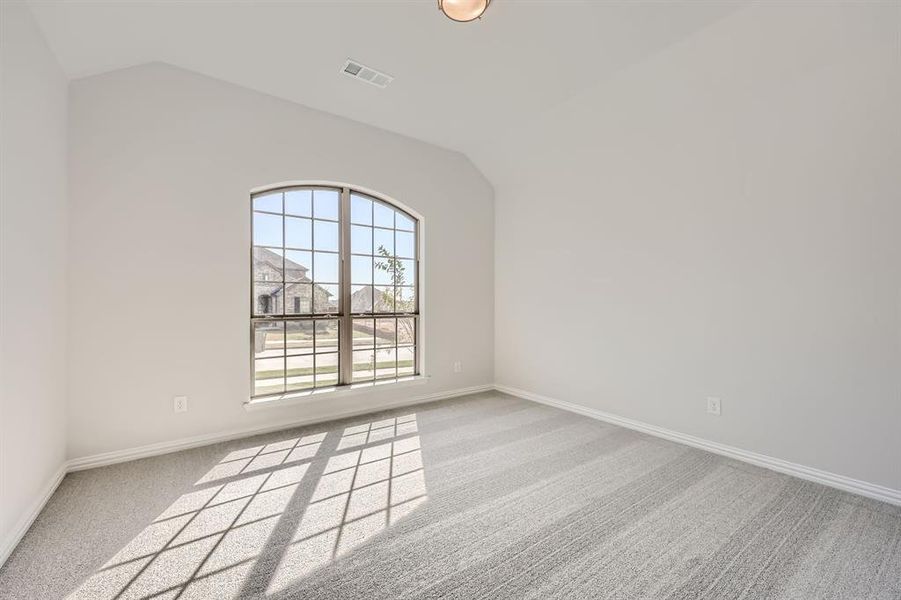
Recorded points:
(359, 71)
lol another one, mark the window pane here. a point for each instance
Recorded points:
(406, 362)
(406, 331)
(298, 233)
(385, 332)
(267, 229)
(268, 376)
(267, 298)
(383, 271)
(406, 244)
(363, 369)
(360, 239)
(268, 339)
(325, 204)
(300, 372)
(327, 335)
(382, 216)
(298, 299)
(299, 202)
(269, 202)
(267, 264)
(325, 235)
(385, 363)
(383, 299)
(326, 267)
(361, 298)
(298, 265)
(383, 241)
(363, 333)
(326, 369)
(406, 299)
(325, 298)
(406, 271)
(299, 337)
(360, 210)
(404, 222)
(360, 269)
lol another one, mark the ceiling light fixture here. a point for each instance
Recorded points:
(463, 11)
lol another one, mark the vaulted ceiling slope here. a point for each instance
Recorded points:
(748, 66)
(456, 85)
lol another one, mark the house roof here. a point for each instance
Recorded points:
(275, 261)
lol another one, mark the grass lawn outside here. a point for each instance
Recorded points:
(274, 374)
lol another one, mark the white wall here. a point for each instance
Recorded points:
(723, 219)
(32, 269)
(162, 161)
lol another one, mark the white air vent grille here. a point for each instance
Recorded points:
(369, 75)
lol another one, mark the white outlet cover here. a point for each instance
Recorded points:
(180, 404)
(713, 406)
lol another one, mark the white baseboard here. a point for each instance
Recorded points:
(18, 532)
(855, 486)
(119, 456)
(841, 482)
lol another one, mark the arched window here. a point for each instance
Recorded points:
(334, 283)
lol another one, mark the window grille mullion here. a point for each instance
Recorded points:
(345, 328)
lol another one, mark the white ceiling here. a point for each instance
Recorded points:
(456, 85)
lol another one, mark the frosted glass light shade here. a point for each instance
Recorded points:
(463, 10)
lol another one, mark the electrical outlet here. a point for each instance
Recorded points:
(180, 404)
(458, 367)
(713, 406)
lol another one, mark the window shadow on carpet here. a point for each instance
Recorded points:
(265, 516)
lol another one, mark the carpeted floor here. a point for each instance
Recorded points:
(486, 496)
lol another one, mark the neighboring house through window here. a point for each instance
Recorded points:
(335, 289)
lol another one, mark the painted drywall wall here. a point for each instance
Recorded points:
(162, 161)
(33, 228)
(722, 219)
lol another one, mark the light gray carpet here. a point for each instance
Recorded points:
(486, 496)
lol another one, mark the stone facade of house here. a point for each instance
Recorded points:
(297, 295)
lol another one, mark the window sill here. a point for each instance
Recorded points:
(354, 389)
